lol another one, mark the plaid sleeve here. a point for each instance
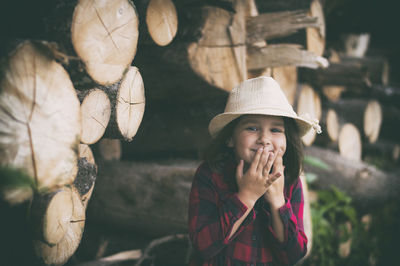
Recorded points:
(211, 219)
(294, 246)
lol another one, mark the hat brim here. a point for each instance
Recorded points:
(221, 120)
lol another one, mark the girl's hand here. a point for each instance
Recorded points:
(253, 184)
(275, 183)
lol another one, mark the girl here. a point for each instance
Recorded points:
(246, 201)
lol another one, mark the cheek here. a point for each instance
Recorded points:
(280, 144)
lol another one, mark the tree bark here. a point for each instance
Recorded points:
(268, 26)
(283, 55)
(368, 187)
(156, 195)
(356, 74)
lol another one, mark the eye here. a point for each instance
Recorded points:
(277, 130)
(251, 128)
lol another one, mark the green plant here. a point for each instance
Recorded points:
(335, 223)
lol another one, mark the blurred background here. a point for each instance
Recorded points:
(139, 84)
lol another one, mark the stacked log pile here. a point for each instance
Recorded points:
(57, 96)
(84, 85)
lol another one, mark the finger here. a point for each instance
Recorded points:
(256, 159)
(278, 164)
(263, 161)
(268, 165)
(272, 178)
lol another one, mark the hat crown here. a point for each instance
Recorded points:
(257, 94)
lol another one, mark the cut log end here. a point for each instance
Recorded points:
(316, 36)
(105, 36)
(287, 79)
(332, 125)
(130, 104)
(309, 105)
(372, 121)
(349, 142)
(38, 100)
(95, 114)
(333, 93)
(61, 252)
(162, 21)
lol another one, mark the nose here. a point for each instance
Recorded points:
(264, 139)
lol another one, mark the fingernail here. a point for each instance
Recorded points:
(261, 149)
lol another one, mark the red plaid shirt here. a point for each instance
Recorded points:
(213, 209)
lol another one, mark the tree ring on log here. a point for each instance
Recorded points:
(39, 118)
(105, 35)
(162, 21)
(95, 113)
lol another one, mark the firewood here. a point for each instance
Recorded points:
(310, 17)
(330, 129)
(219, 55)
(252, 11)
(366, 115)
(157, 194)
(60, 253)
(333, 93)
(51, 214)
(377, 68)
(162, 21)
(368, 186)
(287, 78)
(309, 106)
(316, 35)
(272, 25)
(356, 74)
(127, 106)
(58, 217)
(104, 36)
(356, 45)
(283, 55)
(349, 142)
(186, 127)
(39, 120)
(87, 173)
(95, 114)
(388, 150)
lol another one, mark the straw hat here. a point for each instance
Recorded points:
(262, 96)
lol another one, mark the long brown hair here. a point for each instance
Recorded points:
(218, 151)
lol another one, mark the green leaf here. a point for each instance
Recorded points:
(12, 177)
(311, 177)
(313, 161)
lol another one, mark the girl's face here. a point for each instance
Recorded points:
(255, 131)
